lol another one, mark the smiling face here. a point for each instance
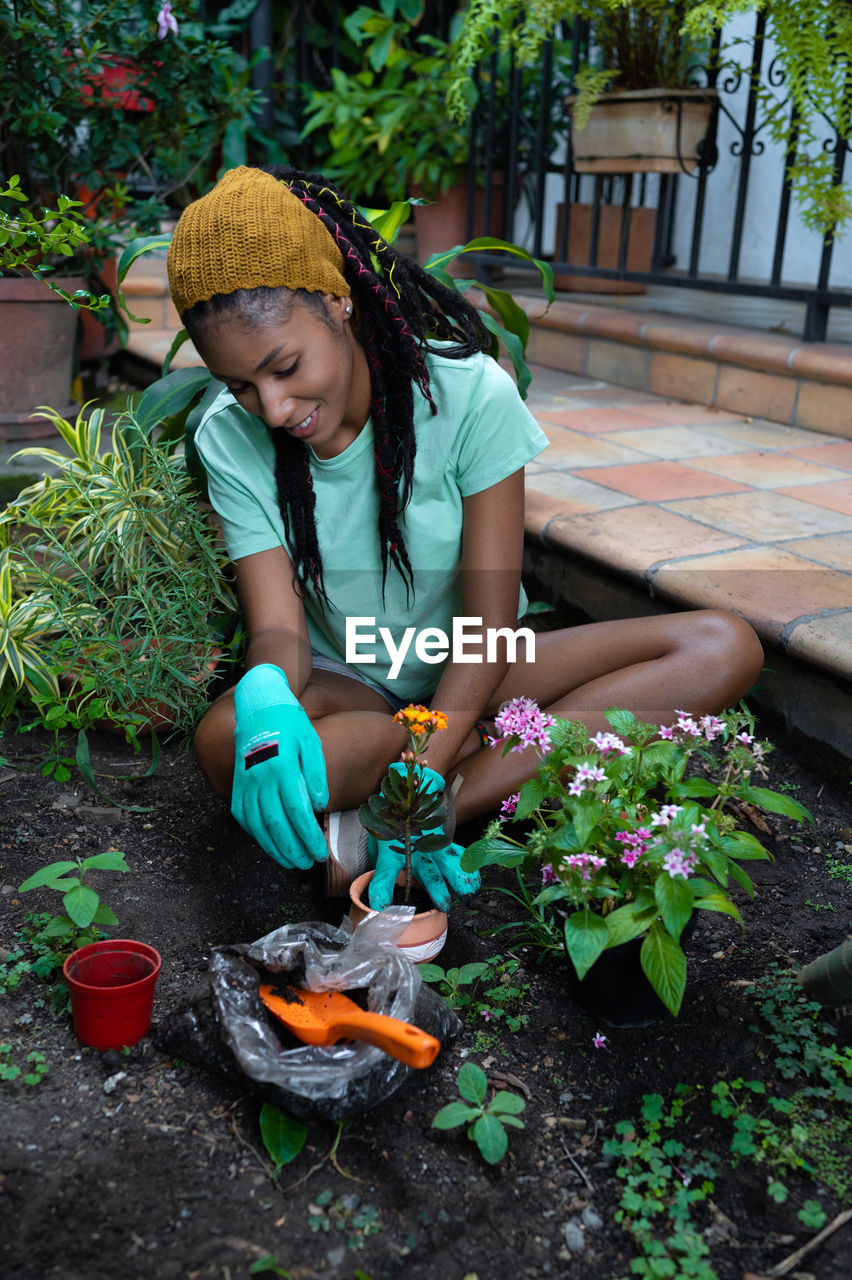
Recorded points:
(302, 372)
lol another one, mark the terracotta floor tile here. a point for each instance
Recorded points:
(593, 420)
(768, 586)
(769, 469)
(660, 481)
(834, 550)
(684, 415)
(676, 443)
(570, 488)
(826, 640)
(569, 449)
(763, 516)
(836, 496)
(770, 435)
(838, 454)
(635, 538)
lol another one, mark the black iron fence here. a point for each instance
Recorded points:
(731, 226)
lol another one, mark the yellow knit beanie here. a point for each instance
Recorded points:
(251, 230)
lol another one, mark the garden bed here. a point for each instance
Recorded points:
(139, 1165)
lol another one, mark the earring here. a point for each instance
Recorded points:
(349, 311)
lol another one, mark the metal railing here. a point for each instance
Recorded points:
(732, 227)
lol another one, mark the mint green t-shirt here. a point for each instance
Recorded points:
(481, 434)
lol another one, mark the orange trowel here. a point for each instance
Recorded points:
(324, 1017)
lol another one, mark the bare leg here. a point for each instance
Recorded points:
(702, 662)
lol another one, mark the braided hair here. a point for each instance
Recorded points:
(399, 307)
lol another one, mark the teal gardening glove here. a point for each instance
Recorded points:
(279, 774)
(438, 873)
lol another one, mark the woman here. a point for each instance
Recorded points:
(370, 481)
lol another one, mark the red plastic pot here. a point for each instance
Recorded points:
(112, 991)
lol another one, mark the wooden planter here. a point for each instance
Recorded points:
(644, 131)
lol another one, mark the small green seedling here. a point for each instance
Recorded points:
(38, 1069)
(486, 1122)
(450, 981)
(82, 904)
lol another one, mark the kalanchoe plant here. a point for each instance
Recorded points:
(402, 809)
(625, 843)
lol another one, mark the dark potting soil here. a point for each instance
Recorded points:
(119, 1166)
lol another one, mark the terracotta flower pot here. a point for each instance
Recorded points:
(426, 934)
(37, 331)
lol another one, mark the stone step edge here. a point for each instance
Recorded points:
(797, 637)
(728, 344)
(698, 364)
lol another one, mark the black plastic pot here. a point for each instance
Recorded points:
(615, 991)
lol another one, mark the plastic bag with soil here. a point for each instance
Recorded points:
(229, 1032)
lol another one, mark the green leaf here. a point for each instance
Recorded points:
(532, 793)
(112, 860)
(105, 915)
(506, 1101)
(169, 395)
(387, 222)
(144, 244)
(375, 825)
(81, 903)
(486, 853)
(431, 844)
(490, 1136)
(623, 722)
(472, 1083)
(46, 875)
(675, 898)
(628, 922)
(717, 902)
(694, 787)
(453, 1115)
(664, 965)
(773, 802)
(431, 972)
(283, 1135)
(586, 936)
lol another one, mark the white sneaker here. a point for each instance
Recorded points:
(347, 851)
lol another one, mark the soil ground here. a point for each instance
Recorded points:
(117, 1166)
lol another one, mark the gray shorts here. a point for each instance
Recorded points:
(321, 663)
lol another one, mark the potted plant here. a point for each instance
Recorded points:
(128, 148)
(114, 590)
(383, 132)
(31, 246)
(813, 48)
(406, 810)
(626, 848)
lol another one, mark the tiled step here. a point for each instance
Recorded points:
(768, 375)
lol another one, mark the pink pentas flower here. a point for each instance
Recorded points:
(599, 1041)
(548, 875)
(667, 731)
(664, 817)
(679, 863)
(630, 857)
(712, 727)
(687, 724)
(166, 21)
(745, 738)
(606, 742)
(523, 720)
(585, 776)
(508, 806)
(486, 1013)
(586, 863)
